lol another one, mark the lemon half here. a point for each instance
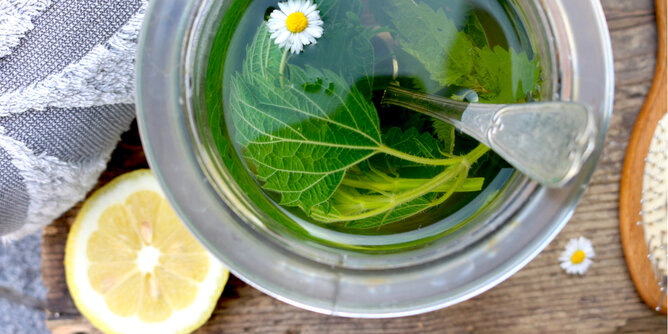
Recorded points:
(131, 265)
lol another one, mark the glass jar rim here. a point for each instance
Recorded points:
(342, 290)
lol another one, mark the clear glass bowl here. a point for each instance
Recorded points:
(409, 273)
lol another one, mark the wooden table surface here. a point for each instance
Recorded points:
(540, 298)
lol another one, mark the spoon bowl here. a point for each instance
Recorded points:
(547, 141)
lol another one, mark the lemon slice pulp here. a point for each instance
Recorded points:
(131, 265)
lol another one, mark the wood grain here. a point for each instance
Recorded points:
(538, 299)
(632, 234)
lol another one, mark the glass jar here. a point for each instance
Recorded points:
(365, 276)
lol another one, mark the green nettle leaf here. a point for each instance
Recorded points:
(302, 138)
(506, 76)
(475, 30)
(434, 40)
(421, 144)
(334, 11)
(347, 41)
(412, 142)
(263, 57)
(446, 134)
(453, 59)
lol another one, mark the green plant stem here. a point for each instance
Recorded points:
(458, 172)
(425, 161)
(459, 180)
(396, 199)
(281, 68)
(348, 194)
(351, 200)
(401, 184)
(475, 154)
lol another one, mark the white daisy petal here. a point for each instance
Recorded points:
(283, 36)
(315, 23)
(312, 16)
(314, 31)
(284, 7)
(310, 9)
(296, 6)
(303, 39)
(274, 26)
(586, 264)
(311, 39)
(275, 33)
(275, 23)
(315, 26)
(296, 41)
(278, 15)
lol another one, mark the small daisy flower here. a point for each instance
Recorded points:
(576, 258)
(296, 23)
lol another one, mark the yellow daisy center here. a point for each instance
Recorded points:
(296, 22)
(578, 257)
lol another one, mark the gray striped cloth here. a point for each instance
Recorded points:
(66, 94)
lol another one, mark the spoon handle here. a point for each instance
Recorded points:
(547, 141)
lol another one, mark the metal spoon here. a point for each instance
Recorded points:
(547, 141)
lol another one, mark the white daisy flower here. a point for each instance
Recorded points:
(577, 257)
(296, 23)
